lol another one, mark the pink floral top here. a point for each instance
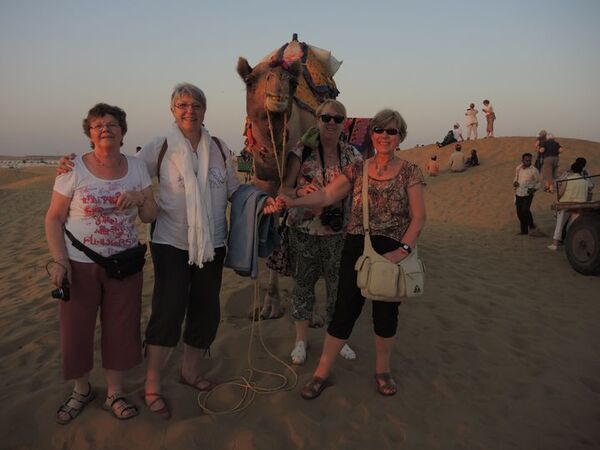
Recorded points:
(311, 170)
(389, 213)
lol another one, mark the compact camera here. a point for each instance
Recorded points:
(63, 292)
(334, 217)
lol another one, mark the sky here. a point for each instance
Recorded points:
(537, 62)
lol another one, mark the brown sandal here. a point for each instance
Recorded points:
(195, 384)
(164, 412)
(385, 384)
(314, 388)
(67, 413)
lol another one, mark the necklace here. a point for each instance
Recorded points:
(381, 169)
(106, 165)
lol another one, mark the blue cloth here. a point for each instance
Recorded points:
(252, 234)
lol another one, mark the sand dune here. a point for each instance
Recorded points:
(502, 351)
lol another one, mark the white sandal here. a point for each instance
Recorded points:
(299, 353)
(347, 353)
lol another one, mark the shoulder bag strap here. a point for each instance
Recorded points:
(365, 206)
(96, 257)
(218, 142)
(161, 155)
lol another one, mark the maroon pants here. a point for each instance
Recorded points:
(120, 304)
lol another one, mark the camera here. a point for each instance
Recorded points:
(334, 217)
(63, 292)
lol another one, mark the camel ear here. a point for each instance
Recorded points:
(295, 69)
(243, 68)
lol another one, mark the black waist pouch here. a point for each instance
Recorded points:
(120, 265)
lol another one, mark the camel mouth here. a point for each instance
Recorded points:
(276, 103)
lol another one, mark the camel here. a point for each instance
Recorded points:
(277, 116)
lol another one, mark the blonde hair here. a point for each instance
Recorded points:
(338, 106)
(385, 116)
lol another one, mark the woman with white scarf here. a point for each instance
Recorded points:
(197, 176)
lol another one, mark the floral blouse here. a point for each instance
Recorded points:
(311, 170)
(389, 213)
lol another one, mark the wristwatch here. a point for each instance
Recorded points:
(405, 247)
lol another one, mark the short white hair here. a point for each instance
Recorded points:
(182, 89)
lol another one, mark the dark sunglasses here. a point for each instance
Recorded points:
(389, 131)
(326, 118)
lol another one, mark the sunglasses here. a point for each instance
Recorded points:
(389, 131)
(326, 118)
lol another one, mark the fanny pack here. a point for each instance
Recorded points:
(120, 265)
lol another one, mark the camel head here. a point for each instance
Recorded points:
(270, 86)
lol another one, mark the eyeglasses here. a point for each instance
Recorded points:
(108, 126)
(389, 131)
(186, 106)
(326, 118)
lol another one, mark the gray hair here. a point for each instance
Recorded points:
(182, 89)
(385, 116)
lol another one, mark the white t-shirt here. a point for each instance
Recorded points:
(94, 218)
(171, 224)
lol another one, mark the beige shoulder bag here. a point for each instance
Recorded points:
(378, 278)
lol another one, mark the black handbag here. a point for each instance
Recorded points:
(120, 265)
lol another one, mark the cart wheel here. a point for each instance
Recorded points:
(583, 244)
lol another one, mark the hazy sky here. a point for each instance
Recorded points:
(537, 61)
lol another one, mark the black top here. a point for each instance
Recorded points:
(551, 147)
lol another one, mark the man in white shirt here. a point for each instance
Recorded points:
(527, 181)
(457, 131)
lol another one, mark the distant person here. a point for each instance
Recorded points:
(490, 117)
(456, 162)
(550, 149)
(137, 149)
(527, 181)
(457, 132)
(433, 167)
(448, 139)
(584, 173)
(539, 143)
(471, 121)
(574, 189)
(472, 160)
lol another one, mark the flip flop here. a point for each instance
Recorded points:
(164, 412)
(199, 378)
(385, 384)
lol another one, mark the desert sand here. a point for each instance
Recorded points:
(501, 352)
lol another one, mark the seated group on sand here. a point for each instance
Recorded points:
(97, 260)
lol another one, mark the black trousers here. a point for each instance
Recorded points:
(349, 302)
(184, 291)
(523, 205)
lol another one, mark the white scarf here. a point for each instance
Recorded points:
(197, 194)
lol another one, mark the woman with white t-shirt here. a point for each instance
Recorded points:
(471, 121)
(98, 202)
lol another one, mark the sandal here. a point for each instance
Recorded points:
(347, 353)
(70, 410)
(163, 412)
(314, 388)
(200, 383)
(385, 384)
(120, 406)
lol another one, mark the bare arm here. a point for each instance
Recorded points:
(54, 224)
(335, 191)
(416, 205)
(143, 200)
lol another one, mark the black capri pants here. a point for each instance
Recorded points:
(349, 302)
(180, 288)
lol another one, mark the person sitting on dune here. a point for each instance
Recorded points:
(433, 167)
(472, 160)
(456, 163)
